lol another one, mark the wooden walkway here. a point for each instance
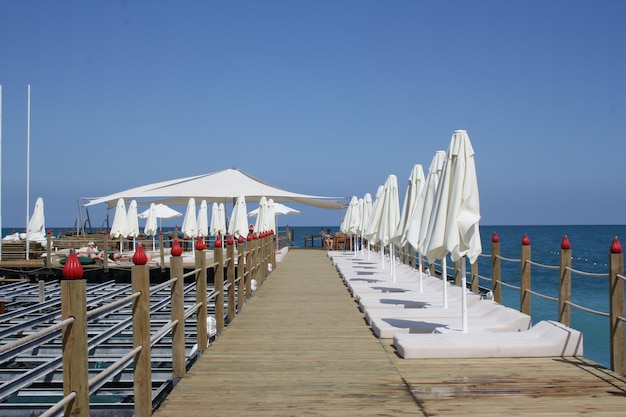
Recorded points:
(301, 347)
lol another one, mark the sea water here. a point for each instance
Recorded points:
(590, 253)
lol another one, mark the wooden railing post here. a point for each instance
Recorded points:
(178, 313)
(496, 270)
(75, 355)
(218, 257)
(49, 249)
(474, 272)
(106, 249)
(240, 274)
(162, 250)
(616, 306)
(457, 272)
(565, 283)
(274, 242)
(264, 256)
(201, 295)
(525, 276)
(141, 337)
(248, 266)
(230, 276)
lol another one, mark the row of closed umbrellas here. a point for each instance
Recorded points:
(440, 214)
(196, 224)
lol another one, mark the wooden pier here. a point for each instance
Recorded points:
(302, 347)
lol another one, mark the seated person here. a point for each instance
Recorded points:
(328, 239)
(90, 252)
(118, 257)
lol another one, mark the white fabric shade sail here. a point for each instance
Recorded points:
(221, 186)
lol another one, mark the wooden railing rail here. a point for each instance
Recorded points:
(75, 317)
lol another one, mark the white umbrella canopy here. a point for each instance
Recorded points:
(119, 227)
(279, 209)
(261, 218)
(456, 213)
(350, 225)
(203, 219)
(151, 227)
(190, 223)
(271, 216)
(37, 223)
(417, 234)
(218, 220)
(413, 190)
(161, 211)
(366, 212)
(386, 213)
(238, 225)
(132, 220)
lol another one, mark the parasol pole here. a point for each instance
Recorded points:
(444, 278)
(0, 168)
(464, 294)
(27, 172)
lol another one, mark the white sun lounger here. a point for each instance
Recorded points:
(545, 339)
(423, 301)
(505, 320)
(478, 309)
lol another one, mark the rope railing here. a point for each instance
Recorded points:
(502, 258)
(533, 263)
(615, 278)
(587, 274)
(540, 295)
(587, 310)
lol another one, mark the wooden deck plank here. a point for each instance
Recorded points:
(301, 347)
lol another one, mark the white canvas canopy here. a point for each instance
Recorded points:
(221, 186)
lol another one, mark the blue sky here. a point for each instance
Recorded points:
(318, 97)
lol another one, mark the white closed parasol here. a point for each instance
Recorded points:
(238, 225)
(456, 212)
(190, 224)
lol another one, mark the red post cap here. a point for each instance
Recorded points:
(249, 238)
(140, 257)
(230, 240)
(525, 240)
(495, 238)
(176, 249)
(200, 245)
(72, 268)
(240, 239)
(565, 243)
(616, 247)
(218, 241)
